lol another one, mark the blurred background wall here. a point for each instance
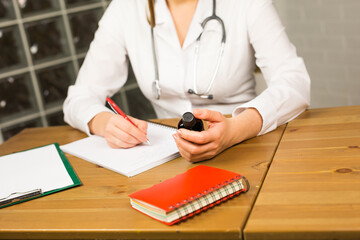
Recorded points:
(327, 35)
(43, 44)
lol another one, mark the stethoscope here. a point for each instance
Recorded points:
(206, 94)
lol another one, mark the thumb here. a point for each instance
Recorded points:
(208, 115)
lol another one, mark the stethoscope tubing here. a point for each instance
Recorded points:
(205, 95)
(219, 60)
(156, 84)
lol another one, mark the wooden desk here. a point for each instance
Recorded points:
(312, 189)
(101, 207)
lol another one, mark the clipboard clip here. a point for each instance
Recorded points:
(20, 196)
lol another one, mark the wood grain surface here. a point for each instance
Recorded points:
(312, 189)
(100, 208)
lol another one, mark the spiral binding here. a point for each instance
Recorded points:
(210, 197)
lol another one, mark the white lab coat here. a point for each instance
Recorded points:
(254, 33)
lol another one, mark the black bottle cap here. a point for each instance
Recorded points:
(188, 120)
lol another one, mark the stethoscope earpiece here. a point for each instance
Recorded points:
(190, 91)
(210, 96)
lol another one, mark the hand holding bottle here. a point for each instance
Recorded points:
(221, 134)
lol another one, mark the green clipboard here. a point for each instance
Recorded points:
(16, 198)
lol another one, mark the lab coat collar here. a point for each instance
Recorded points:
(164, 27)
(161, 12)
(164, 22)
(203, 10)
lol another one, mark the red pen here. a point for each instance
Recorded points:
(117, 110)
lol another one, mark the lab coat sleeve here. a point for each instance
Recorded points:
(288, 91)
(102, 74)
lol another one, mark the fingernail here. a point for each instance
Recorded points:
(179, 132)
(175, 136)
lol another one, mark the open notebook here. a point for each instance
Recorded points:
(132, 161)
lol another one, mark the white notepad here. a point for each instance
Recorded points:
(131, 161)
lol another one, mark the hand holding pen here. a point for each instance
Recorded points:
(117, 110)
(117, 130)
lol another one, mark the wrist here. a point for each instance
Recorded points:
(98, 123)
(246, 125)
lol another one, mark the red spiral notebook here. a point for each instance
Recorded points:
(189, 193)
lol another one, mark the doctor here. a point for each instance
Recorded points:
(191, 55)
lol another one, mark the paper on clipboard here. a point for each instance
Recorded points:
(40, 168)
